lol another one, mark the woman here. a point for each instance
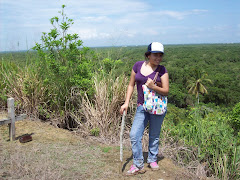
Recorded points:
(143, 72)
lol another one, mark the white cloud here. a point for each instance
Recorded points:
(151, 32)
(180, 14)
(94, 19)
(89, 33)
(130, 34)
(197, 11)
(133, 18)
(190, 36)
(220, 27)
(173, 14)
(108, 7)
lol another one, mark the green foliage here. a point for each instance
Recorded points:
(220, 61)
(109, 64)
(175, 115)
(127, 55)
(7, 68)
(63, 62)
(24, 85)
(95, 131)
(234, 118)
(106, 149)
(196, 84)
(207, 130)
(177, 94)
(21, 58)
(109, 67)
(3, 94)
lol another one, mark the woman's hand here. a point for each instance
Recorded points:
(161, 87)
(159, 84)
(124, 107)
(150, 84)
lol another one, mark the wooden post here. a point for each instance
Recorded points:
(11, 115)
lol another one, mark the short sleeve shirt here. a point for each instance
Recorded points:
(141, 79)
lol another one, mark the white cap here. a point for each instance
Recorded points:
(155, 47)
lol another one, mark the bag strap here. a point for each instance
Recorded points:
(155, 78)
(158, 70)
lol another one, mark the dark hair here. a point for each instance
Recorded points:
(147, 54)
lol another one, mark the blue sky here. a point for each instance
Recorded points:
(122, 22)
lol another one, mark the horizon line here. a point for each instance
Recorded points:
(128, 46)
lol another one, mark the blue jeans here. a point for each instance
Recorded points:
(140, 121)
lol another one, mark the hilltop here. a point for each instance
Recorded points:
(56, 153)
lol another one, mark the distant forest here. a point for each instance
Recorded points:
(221, 63)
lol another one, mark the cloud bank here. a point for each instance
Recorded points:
(107, 22)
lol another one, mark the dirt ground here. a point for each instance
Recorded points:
(60, 154)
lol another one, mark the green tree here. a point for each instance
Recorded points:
(196, 83)
(63, 62)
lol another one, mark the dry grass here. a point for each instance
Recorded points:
(183, 156)
(45, 161)
(103, 114)
(56, 153)
(53, 154)
(25, 87)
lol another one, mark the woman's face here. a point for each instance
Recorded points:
(155, 58)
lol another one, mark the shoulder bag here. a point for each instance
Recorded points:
(154, 103)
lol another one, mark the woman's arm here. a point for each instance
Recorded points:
(164, 89)
(130, 88)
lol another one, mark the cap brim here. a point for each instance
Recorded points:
(156, 52)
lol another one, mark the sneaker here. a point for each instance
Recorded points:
(134, 170)
(154, 166)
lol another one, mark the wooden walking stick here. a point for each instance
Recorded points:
(121, 141)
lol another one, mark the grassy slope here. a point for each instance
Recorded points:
(60, 154)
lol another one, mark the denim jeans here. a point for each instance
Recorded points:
(140, 121)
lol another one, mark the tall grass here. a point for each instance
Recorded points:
(24, 85)
(102, 113)
(210, 139)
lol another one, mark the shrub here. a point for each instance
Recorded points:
(63, 63)
(234, 118)
(208, 131)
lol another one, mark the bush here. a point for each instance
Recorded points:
(234, 118)
(63, 63)
(207, 130)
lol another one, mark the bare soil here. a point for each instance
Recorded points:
(56, 153)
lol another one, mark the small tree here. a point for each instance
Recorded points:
(63, 62)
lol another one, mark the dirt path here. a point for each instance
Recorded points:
(60, 154)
